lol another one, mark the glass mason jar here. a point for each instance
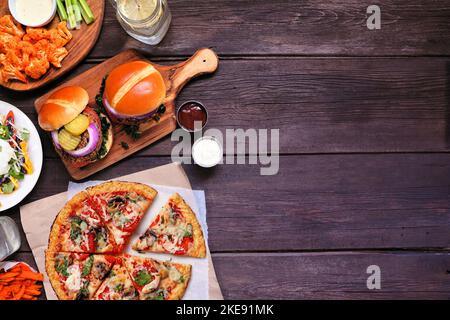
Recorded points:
(145, 20)
(9, 237)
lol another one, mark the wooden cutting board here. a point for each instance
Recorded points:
(175, 77)
(82, 42)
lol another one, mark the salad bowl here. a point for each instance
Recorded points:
(26, 182)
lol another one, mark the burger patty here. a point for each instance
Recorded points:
(82, 161)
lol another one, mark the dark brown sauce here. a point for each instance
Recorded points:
(191, 112)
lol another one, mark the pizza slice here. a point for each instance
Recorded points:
(121, 205)
(78, 228)
(174, 230)
(77, 276)
(118, 285)
(157, 280)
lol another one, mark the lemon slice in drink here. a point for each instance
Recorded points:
(137, 9)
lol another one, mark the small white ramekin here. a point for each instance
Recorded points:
(195, 152)
(12, 9)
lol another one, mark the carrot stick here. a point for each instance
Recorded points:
(35, 287)
(32, 275)
(8, 275)
(19, 295)
(32, 292)
(20, 283)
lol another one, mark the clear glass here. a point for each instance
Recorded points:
(9, 237)
(145, 20)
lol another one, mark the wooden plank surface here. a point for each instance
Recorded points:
(320, 105)
(285, 27)
(314, 203)
(338, 275)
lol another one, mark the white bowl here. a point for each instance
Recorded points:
(196, 152)
(12, 9)
(35, 151)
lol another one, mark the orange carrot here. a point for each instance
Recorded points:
(8, 275)
(32, 292)
(19, 294)
(32, 275)
(20, 283)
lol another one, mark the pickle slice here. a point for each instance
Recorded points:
(68, 141)
(78, 125)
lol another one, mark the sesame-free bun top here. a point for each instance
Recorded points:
(135, 88)
(62, 106)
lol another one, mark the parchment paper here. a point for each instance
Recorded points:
(37, 218)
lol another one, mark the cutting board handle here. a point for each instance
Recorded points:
(203, 61)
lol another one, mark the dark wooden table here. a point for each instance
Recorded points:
(364, 121)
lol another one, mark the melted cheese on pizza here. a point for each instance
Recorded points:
(73, 281)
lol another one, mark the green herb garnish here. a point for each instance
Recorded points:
(132, 131)
(88, 266)
(142, 278)
(19, 175)
(105, 129)
(84, 291)
(4, 132)
(61, 266)
(99, 96)
(161, 109)
(159, 295)
(124, 145)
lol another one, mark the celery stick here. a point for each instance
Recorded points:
(87, 10)
(61, 11)
(86, 18)
(76, 10)
(71, 15)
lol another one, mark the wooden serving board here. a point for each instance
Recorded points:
(82, 42)
(175, 77)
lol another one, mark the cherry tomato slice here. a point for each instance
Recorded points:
(9, 117)
(91, 242)
(184, 245)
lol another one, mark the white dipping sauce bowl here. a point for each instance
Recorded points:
(207, 158)
(14, 13)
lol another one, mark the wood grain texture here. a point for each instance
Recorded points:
(79, 47)
(405, 275)
(320, 105)
(285, 27)
(333, 275)
(175, 77)
(314, 203)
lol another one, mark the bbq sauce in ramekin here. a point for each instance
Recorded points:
(191, 112)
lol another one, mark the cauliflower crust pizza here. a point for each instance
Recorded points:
(77, 276)
(175, 230)
(84, 258)
(157, 280)
(121, 205)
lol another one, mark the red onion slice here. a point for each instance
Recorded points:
(94, 137)
(55, 139)
(118, 115)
